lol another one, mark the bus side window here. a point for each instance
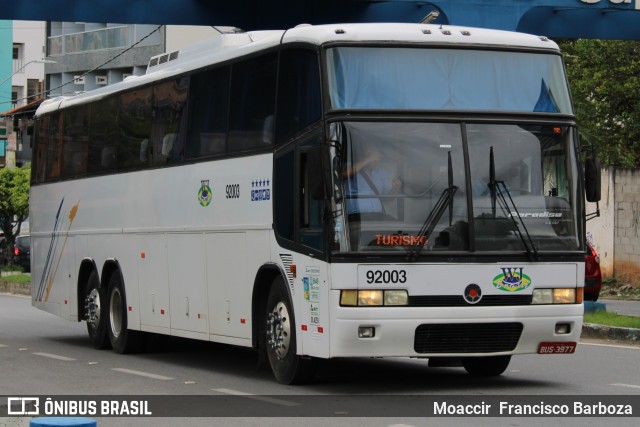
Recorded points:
(252, 105)
(41, 149)
(169, 120)
(76, 141)
(135, 126)
(283, 195)
(310, 208)
(54, 147)
(103, 136)
(299, 101)
(208, 103)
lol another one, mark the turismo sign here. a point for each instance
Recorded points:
(615, 2)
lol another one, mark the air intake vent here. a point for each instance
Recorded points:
(467, 337)
(163, 59)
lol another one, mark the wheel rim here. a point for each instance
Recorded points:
(279, 330)
(115, 312)
(93, 308)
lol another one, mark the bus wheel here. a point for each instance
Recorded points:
(490, 366)
(122, 339)
(95, 313)
(287, 366)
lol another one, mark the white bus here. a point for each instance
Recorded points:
(321, 192)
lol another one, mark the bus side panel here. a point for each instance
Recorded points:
(227, 281)
(311, 301)
(154, 282)
(188, 288)
(53, 279)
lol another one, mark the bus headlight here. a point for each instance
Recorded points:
(555, 296)
(369, 297)
(373, 297)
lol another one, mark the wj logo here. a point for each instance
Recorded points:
(512, 279)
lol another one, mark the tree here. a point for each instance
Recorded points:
(14, 203)
(604, 76)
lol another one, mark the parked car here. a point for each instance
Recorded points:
(22, 252)
(592, 275)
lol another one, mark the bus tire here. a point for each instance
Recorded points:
(122, 339)
(489, 366)
(96, 312)
(280, 337)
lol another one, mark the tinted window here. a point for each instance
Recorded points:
(76, 140)
(299, 102)
(54, 147)
(103, 135)
(168, 128)
(283, 194)
(253, 90)
(39, 161)
(208, 103)
(135, 125)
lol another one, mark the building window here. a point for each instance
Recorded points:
(33, 89)
(18, 57)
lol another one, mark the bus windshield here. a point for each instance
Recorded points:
(519, 192)
(398, 78)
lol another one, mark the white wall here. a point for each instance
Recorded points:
(601, 231)
(178, 36)
(32, 35)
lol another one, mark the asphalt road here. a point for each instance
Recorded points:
(43, 355)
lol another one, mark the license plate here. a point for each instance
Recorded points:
(557, 348)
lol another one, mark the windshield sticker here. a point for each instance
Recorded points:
(512, 279)
(400, 240)
(535, 214)
(204, 194)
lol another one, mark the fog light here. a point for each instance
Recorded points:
(366, 332)
(563, 328)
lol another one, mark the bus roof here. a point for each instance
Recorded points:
(232, 45)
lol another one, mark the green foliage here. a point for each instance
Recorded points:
(604, 76)
(612, 319)
(14, 202)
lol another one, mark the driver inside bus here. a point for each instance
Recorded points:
(365, 181)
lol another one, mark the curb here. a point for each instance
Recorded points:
(591, 330)
(15, 288)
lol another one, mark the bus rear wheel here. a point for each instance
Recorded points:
(122, 339)
(280, 338)
(489, 366)
(95, 312)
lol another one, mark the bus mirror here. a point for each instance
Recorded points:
(315, 173)
(592, 179)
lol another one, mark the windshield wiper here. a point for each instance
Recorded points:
(498, 190)
(445, 200)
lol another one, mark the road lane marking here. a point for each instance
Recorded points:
(55, 356)
(610, 345)
(626, 385)
(143, 374)
(256, 397)
(2, 345)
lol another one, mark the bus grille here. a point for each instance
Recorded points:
(458, 301)
(467, 337)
